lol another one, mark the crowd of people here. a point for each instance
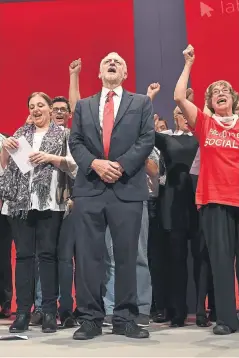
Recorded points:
(111, 205)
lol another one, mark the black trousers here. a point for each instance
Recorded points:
(157, 261)
(220, 225)
(66, 252)
(202, 271)
(90, 216)
(5, 263)
(38, 233)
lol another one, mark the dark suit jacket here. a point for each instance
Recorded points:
(132, 141)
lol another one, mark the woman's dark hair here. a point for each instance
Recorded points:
(43, 95)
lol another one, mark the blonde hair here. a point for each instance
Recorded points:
(209, 93)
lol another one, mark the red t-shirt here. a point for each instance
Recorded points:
(218, 180)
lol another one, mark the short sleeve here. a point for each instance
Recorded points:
(200, 124)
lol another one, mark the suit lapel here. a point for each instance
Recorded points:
(94, 106)
(124, 104)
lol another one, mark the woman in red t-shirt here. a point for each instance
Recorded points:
(218, 185)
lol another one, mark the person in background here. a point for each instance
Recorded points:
(156, 245)
(162, 309)
(35, 203)
(5, 257)
(67, 239)
(160, 123)
(176, 208)
(217, 189)
(110, 142)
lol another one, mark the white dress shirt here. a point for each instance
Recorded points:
(117, 99)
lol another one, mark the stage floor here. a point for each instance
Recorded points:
(188, 341)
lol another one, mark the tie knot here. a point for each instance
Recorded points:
(111, 94)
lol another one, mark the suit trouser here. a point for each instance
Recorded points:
(91, 215)
(220, 225)
(5, 262)
(66, 252)
(144, 289)
(37, 234)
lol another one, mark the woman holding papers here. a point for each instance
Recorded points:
(35, 202)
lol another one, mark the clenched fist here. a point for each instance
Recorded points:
(153, 89)
(189, 55)
(75, 67)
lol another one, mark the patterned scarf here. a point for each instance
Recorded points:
(15, 187)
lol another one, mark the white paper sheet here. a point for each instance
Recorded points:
(13, 337)
(21, 155)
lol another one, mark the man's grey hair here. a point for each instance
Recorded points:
(113, 53)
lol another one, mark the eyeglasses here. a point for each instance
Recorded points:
(62, 110)
(179, 114)
(217, 91)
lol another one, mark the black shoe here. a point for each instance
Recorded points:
(78, 317)
(5, 313)
(222, 330)
(177, 322)
(142, 320)
(88, 330)
(131, 330)
(37, 318)
(6, 310)
(203, 321)
(160, 317)
(107, 320)
(67, 320)
(49, 324)
(21, 323)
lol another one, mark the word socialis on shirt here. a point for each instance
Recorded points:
(223, 139)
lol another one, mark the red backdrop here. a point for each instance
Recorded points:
(216, 42)
(40, 39)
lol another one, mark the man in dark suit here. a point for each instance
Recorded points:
(112, 136)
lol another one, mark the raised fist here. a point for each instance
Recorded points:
(153, 89)
(75, 66)
(189, 55)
